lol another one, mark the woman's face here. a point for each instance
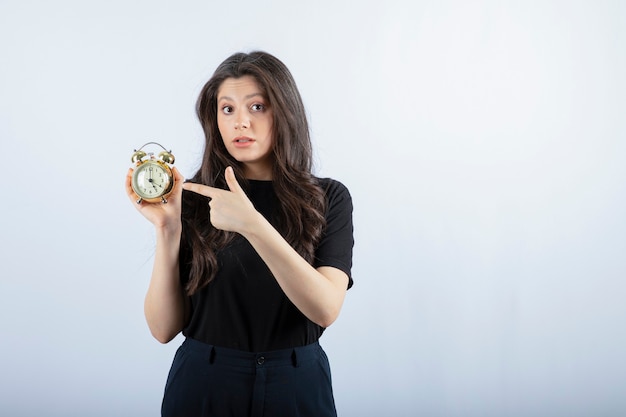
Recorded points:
(244, 119)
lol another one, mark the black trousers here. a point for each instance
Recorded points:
(207, 380)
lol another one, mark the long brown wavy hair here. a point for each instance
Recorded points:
(301, 202)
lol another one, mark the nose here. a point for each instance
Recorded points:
(242, 123)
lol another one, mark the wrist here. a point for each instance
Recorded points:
(168, 231)
(254, 226)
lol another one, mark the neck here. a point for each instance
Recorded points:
(256, 172)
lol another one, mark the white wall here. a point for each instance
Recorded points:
(484, 145)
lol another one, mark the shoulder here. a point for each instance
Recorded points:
(338, 198)
(333, 189)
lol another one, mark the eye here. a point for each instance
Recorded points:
(227, 109)
(257, 107)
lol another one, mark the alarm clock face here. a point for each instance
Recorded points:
(152, 180)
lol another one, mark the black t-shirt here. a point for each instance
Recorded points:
(243, 307)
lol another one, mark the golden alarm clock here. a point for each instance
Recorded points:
(152, 176)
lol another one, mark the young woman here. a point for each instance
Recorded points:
(253, 255)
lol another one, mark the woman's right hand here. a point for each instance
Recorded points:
(159, 214)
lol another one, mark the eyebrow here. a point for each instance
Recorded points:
(249, 96)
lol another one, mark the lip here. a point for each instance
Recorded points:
(243, 141)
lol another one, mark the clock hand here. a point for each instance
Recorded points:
(154, 184)
(151, 181)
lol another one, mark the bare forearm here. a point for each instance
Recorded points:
(165, 304)
(318, 295)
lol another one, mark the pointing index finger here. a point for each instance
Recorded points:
(204, 190)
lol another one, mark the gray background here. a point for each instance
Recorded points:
(484, 146)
